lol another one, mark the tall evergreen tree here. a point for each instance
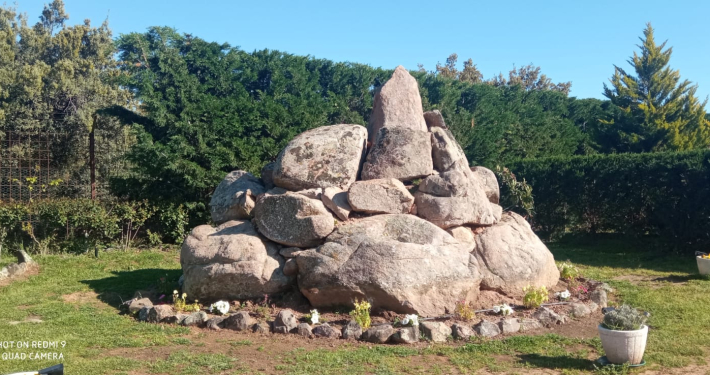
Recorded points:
(659, 111)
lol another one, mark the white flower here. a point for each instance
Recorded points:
(564, 295)
(175, 292)
(506, 310)
(221, 306)
(412, 318)
(314, 316)
(496, 309)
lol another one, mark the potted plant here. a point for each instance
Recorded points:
(703, 263)
(623, 333)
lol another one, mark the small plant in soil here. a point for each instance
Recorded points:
(625, 318)
(535, 297)
(568, 271)
(180, 303)
(361, 314)
(464, 311)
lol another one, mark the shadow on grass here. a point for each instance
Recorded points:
(558, 362)
(618, 251)
(122, 285)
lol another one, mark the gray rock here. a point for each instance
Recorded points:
(462, 234)
(304, 329)
(290, 267)
(325, 330)
(486, 329)
(399, 263)
(397, 104)
(461, 332)
(177, 319)
(509, 325)
(445, 150)
(528, 324)
(512, 257)
(290, 252)
(315, 193)
(234, 197)
(599, 297)
(262, 327)
(489, 182)
(434, 119)
(593, 307)
(267, 175)
(160, 313)
(406, 335)
(281, 329)
(197, 319)
(548, 317)
(285, 318)
(292, 219)
(337, 201)
(322, 157)
(144, 313)
(380, 196)
(452, 199)
(399, 153)
(215, 323)
(231, 262)
(378, 334)
(138, 304)
(240, 321)
(352, 330)
(579, 310)
(435, 331)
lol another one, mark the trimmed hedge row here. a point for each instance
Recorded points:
(664, 194)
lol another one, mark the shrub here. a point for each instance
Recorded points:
(568, 271)
(535, 297)
(464, 311)
(625, 318)
(361, 314)
(515, 195)
(663, 194)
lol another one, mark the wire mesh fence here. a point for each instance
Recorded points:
(38, 165)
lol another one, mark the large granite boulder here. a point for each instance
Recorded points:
(514, 257)
(397, 104)
(292, 219)
(453, 198)
(489, 182)
(398, 262)
(445, 150)
(235, 196)
(231, 261)
(380, 196)
(399, 153)
(322, 157)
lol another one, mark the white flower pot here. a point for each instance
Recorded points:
(624, 346)
(703, 265)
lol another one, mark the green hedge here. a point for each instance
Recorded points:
(664, 194)
(79, 225)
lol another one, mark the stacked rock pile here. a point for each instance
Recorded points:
(390, 213)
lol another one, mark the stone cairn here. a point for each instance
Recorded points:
(391, 213)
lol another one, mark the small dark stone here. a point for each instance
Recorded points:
(325, 330)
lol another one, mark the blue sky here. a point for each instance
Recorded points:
(576, 41)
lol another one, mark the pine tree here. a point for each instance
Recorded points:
(658, 110)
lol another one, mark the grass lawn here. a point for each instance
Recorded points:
(77, 299)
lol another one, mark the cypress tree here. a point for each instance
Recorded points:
(659, 111)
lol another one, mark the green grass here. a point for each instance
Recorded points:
(95, 334)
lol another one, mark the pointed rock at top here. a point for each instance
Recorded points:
(397, 105)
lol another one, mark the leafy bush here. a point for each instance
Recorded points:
(77, 225)
(568, 271)
(515, 195)
(535, 297)
(662, 194)
(464, 311)
(361, 314)
(625, 318)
